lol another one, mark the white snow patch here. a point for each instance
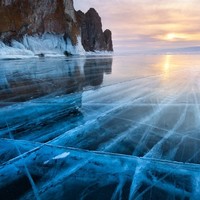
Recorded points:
(61, 156)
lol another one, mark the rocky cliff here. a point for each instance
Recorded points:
(20, 17)
(93, 38)
(35, 18)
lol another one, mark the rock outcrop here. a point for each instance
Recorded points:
(93, 38)
(21, 18)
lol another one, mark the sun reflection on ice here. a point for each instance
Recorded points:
(167, 67)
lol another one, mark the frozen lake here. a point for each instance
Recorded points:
(104, 127)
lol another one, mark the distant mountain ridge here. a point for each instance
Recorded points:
(180, 50)
(184, 49)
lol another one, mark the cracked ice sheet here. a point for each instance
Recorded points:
(145, 108)
(77, 174)
(166, 128)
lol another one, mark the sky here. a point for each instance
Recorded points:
(146, 24)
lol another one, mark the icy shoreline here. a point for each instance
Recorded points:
(46, 45)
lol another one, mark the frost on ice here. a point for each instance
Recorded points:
(46, 44)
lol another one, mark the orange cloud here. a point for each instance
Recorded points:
(149, 22)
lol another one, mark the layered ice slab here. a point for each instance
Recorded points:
(122, 127)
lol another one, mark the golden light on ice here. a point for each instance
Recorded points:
(167, 67)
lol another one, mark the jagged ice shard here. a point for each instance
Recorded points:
(121, 127)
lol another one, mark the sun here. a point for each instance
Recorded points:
(177, 36)
(171, 36)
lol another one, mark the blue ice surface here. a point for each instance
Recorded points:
(100, 127)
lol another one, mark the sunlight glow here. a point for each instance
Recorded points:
(167, 63)
(166, 66)
(144, 27)
(171, 36)
(177, 36)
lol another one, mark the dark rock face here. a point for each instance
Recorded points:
(108, 39)
(20, 17)
(93, 37)
(35, 17)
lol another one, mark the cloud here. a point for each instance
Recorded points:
(150, 18)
